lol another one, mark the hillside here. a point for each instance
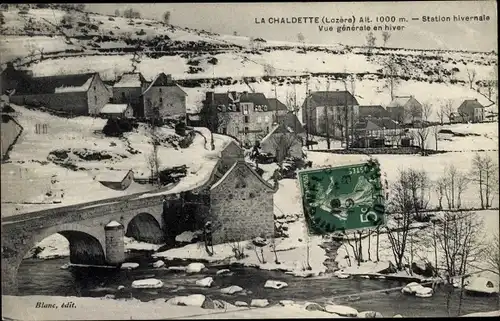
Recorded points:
(76, 42)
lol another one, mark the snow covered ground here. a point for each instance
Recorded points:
(30, 178)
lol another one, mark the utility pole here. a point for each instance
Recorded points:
(307, 114)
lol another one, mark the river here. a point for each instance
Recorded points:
(45, 277)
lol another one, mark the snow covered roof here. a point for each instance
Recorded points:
(469, 104)
(225, 99)
(373, 110)
(113, 224)
(291, 120)
(330, 98)
(163, 80)
(244, 165)
(280, 128)
(130, 80)
(112, 176)
(56, 84)
(114, 108)
(399, 101)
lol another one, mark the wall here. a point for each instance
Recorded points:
(75, 102)
(336, 118)
(173, 101)
(131, 95)
(242, 212)
(98, 96)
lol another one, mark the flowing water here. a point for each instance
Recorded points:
(45, 277)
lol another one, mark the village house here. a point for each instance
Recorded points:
(277, 107)
(79, 94)
(470, 111)
(375, 111)
(377, 132)
(328, 109)
(241, 205)
(244, 116)
(117, 111)
(231, 153)
(282, 142)
(292, 121)
(405, 110)
(164, 98)
(117, 180)
(128, 90)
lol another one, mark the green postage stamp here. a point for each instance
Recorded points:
(342, 198)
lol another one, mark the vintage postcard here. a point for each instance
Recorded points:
(249, 160)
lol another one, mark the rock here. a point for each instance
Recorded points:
(147, 284)
(177, 268)
(303, 274)
(314, 307)
(158, 264)
(286, 303)
(343, 276)
(423, 292)
(259, 242)
(370, 314)
(411, 288)
(129, 265)
(397, 316)
(109, 296)
(180, 288)
(259, 303)
(240, 304)
(365, 276)
(193, 300)
(195, 267)
(231, 289)
(390, 269)
(208, 304)
(219, 304)
(223, 272)
(188, 236)
(341, 310)
(275, 284)
(206, 282)
(65, 266)
(120, 287)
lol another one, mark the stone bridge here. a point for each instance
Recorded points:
(145, 217)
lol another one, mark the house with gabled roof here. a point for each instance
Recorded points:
(117, 111)
(165, 99)
(77, 94)
(128, 90)
(324, 110)
(291, 120)
(405, 110)
(471, 111)
(118, 180)
(241, 205)
(282, 142)
(375, 111)
(277, 107)
(246, 116)
(384, 129)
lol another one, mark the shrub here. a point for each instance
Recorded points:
(172, 175)
(116, 127)
(141, 32)
(213, 61)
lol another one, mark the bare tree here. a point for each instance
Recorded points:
(492, 254)
(370, 41)
(153, 159)
(252, 43)
(435, 133)
(408, 199)
(422, 132)
(491, 84)
(302, 40)
(385, 37)
(32, 49)
(440, 114)
(455, 183)
(282, 144)
(459, 239)
(215, 120)
(471, 76)
(484, 174)
(439, 188)
(291, 100)
(447, 109)
(117, 13)
(391, 73)
(166, 17)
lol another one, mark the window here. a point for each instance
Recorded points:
(246, 119)
(224, 130)
(237, 130)
(161, 100)
(238, 107)
(266, 119)
(159, 89)
(95, 99)
(259, 120)
(246, 130)
(245, 109)
(123, 96)
(94, 87)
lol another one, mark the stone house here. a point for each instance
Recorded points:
(128, 90)
(291, 120)
(117, 111)
(369, 129)
(405, 110)
(244, 116)
(241, 205)
(326, 110)
(79, 94)
(165, 97)
(374, 111)
(231, 153)
(471, 111)
(281, 142)
(118, 180)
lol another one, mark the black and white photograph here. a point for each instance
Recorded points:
(249, 160)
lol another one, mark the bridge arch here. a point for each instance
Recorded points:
(145, 227)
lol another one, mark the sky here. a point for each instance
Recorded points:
(227, 18)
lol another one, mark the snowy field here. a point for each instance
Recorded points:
(31, 178)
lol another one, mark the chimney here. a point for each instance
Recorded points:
(210, 97)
